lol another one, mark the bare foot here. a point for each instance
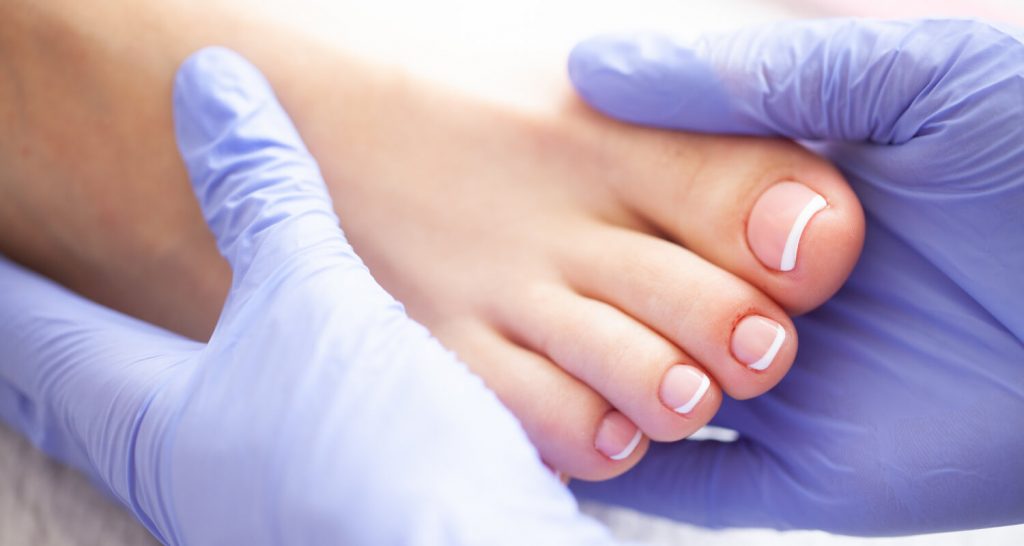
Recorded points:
(608, 282)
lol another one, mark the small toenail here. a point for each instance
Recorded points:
(756, 341)
(617, 437)
(683, 387)
(778, 221)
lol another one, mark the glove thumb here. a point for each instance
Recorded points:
(259, 188)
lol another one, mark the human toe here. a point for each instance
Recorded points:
(639, 372)
(727, 328)
(576, 431)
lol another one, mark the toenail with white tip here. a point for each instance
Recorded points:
(757, 341)
(816, 204)
(683, 387)
(778, 222)
(617, 437)
(628, 450)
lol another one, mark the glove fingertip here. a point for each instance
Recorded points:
(650, 79)
(214, 87)
(248, 166)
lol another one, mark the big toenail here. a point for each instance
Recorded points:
(683, 387)
(756, 341)
(778, 221)
(617, 437)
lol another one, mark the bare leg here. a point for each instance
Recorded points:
(594, 275)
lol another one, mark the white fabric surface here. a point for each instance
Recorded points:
(43, 503)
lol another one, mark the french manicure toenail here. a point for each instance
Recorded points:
(788, 261)
(617, 437)
(756, 341)
(778, 221)
(683, 387)
(630, 447)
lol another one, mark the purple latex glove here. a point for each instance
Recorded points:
(904, 412)
(318, 413)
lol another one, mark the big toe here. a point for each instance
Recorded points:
(805, 239)
(768, 211)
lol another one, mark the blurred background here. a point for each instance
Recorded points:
(511, 52)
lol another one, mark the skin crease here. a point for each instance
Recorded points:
(422, 181)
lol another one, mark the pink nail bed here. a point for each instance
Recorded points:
(756, 341)
(617, 436)
(778, 221)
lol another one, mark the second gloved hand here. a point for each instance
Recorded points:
(903, 411)
(318, 413)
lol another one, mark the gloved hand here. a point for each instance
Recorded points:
(904, 410)
(318, 413)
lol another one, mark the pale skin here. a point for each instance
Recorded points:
(586, 270)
